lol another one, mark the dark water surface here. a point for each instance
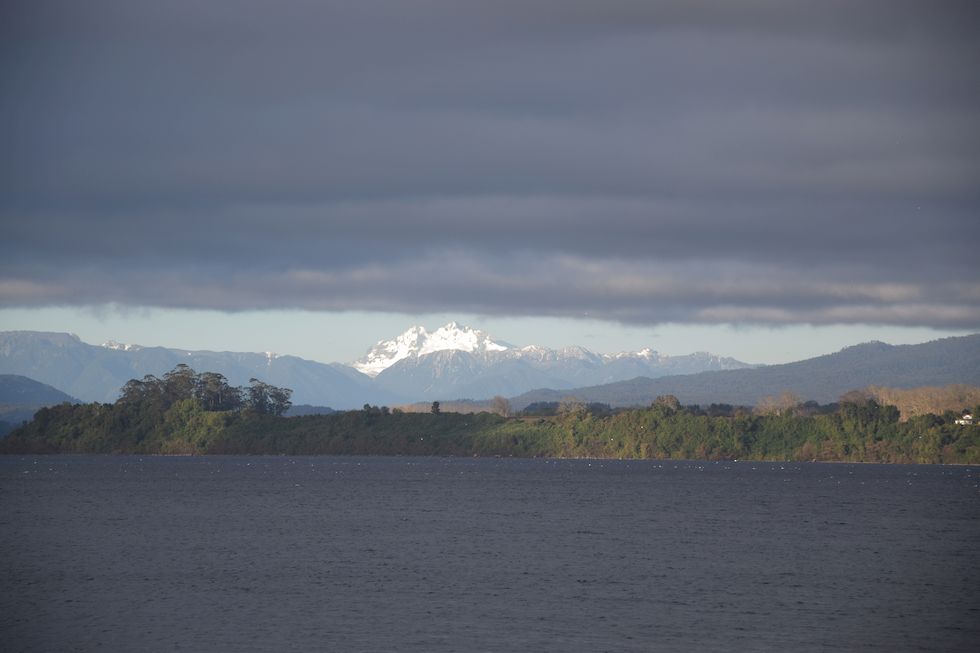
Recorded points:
(422, 554)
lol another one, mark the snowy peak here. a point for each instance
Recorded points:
(118, 346)
(388, 352)
(457, 361)
(455, 337)
(646, 354)
(417, 341)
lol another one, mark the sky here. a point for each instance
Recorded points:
(761, 179)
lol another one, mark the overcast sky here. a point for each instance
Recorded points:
(735, 166)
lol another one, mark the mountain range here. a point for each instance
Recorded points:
(823, 379)
(97, 372)
(456, 362)
(453, 361)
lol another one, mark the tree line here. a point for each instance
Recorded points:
(188, 413)
(181, 413)
(210, 390)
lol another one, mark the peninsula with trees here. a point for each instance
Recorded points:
(191, 413)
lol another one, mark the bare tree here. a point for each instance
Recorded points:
(570, 406)
(668, 401)
(785, 404)
(500, 405)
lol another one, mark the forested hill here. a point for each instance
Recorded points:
(822, 379)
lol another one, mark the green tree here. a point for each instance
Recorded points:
(215, 393)
(148, 390)
(257, 397)
(179, 383)
(279, 401)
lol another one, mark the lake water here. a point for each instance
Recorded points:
(423, 554)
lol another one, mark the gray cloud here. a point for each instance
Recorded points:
(762, 162)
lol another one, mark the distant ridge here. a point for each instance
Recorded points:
(455, 362)
(449, 362)
(20, 390)
(21, 397)
(96, 373)
(823, 379)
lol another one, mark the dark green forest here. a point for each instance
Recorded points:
(190, 413)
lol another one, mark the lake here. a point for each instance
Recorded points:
(123, 553)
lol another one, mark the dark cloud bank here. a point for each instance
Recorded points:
(753, 162)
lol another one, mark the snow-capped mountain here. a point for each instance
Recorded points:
(455, 361)
(418, 342)
(119, 346)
